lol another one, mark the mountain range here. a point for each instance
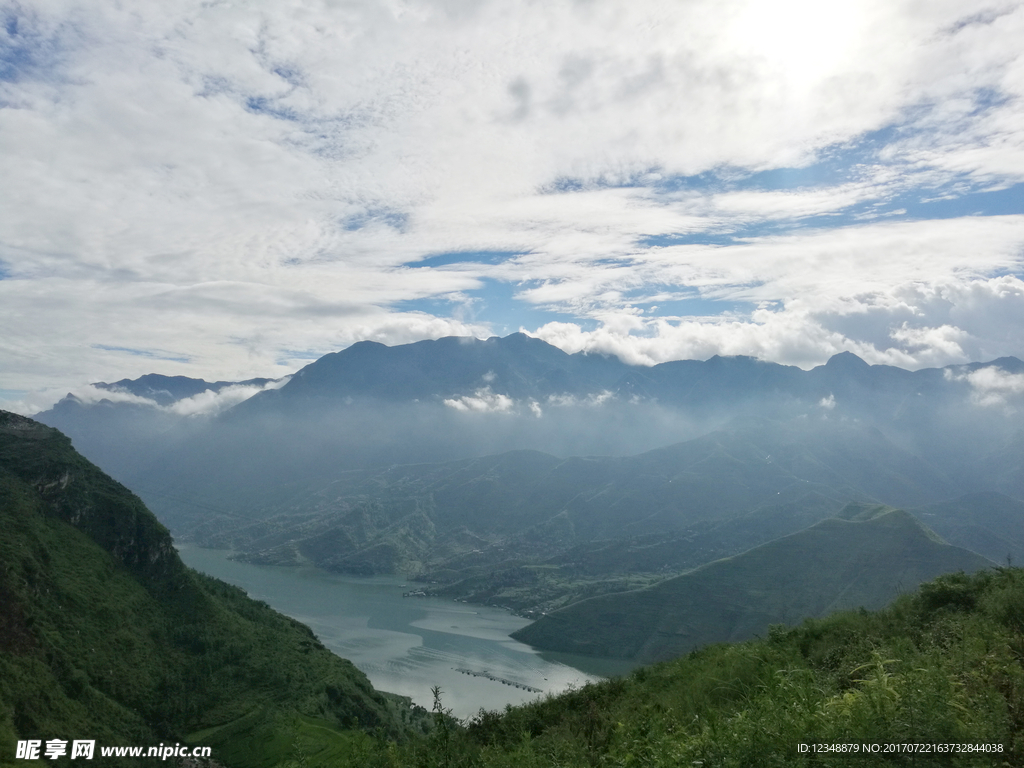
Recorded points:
(373, 406)
(524, 368)
(507, 471)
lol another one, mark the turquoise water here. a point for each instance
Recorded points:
(407, 645)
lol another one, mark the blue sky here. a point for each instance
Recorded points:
(226, 190)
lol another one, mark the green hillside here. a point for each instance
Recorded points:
(535, 532)
(615, 565)
(106, 635)
(865, 557)
(942, 666)
(990, 524)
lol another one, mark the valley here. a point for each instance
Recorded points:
(472, 384)
(345, 465)
(408, 645)
(474, 524)
(107, 635)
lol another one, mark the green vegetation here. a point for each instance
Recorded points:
(862, 558)
(106, 635)
(943, 665)
(990, 524)
(534, 532)
(531, 590)
(619, 565)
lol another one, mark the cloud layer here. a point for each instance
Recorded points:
(207, 403)
(226, 190)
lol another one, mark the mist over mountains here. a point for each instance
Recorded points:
(507, 471)
(863, 557)
(454, 398)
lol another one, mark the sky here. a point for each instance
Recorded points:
(227, 190)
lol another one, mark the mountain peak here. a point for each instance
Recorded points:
(846, 361)
(1009, 364)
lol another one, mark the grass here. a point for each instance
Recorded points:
(942, 665)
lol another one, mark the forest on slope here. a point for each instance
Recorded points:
(106, 635)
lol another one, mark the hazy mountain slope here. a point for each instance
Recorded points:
(371, 406)
(990, 524)
(517, 365)
(533, 505)
(105, 634)
(835, 564)
(500, 575)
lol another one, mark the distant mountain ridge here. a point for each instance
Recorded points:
(450, 398)
(506, 469)
(165, 390)
(519, 366)
(524, 368)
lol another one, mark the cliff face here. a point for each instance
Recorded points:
(76, 492)
(105, 634)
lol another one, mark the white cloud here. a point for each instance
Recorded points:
(90, 395)
(913, 294)
(225, 331)
(592, 400)
(231, 189)
(992, 386)
(487, 401)
(778, 336)
(943, 342)
(207, 403)
(800, 203)
(212, 402)
(482, 401)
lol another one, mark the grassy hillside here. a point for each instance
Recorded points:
(942, 666)
(939, 666)
(106, 635)
(863, 560)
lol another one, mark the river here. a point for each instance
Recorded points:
(407, 645)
